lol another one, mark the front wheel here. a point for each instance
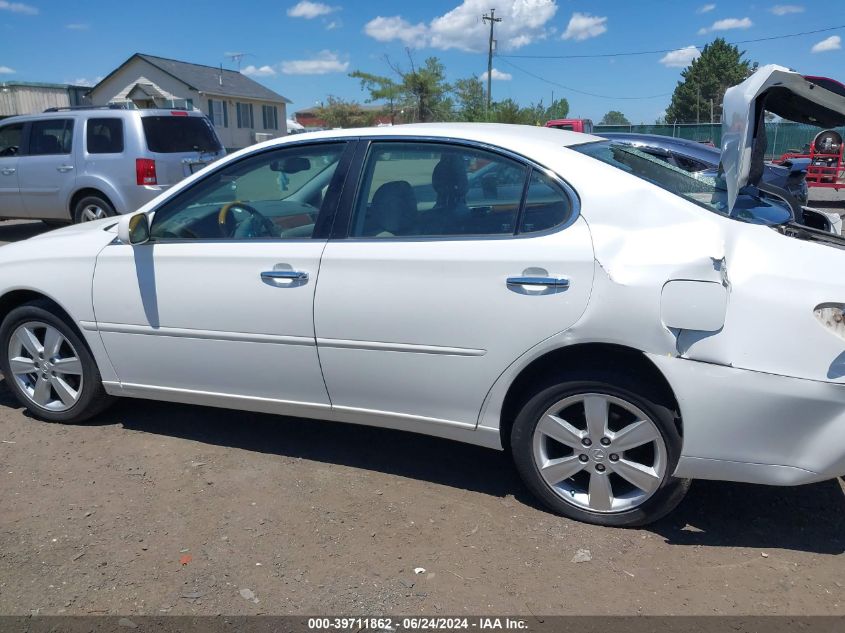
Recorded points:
(600, 448)
(48, 366)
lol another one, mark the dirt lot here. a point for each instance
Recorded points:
(166, 509)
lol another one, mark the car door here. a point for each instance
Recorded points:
(11, 143)
(422, 304)
(217, 307)
(46, 173)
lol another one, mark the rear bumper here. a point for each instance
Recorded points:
(741, 425)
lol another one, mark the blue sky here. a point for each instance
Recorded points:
(304, 50)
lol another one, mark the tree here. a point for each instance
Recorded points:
(380, 89)
(720, 66)
(469, 98)
(421, 92)
(337, 112)
(614, 117)
(557, 110)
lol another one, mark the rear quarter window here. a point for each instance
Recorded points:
(104, 136)
(177, 134)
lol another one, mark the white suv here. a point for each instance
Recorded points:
(80, 164)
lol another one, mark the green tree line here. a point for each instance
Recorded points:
(420, 92)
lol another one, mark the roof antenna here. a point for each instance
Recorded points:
(220, 76)
(237, 58)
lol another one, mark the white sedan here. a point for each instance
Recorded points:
(618, 325)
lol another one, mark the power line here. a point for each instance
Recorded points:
(582, 92)
(670, 50)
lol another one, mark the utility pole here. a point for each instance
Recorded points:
(698, 104)
(492, 19)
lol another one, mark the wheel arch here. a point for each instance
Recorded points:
(81, 193)
(15, 298)
(585, 355)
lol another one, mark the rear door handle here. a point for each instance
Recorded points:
(554, 282)
(64, 168)
(288, 275)
(7, 171)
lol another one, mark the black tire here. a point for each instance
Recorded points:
(93, 398)
(670, 491)
(98, 202)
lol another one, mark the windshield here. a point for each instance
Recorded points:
(705, 189)
(178, 134)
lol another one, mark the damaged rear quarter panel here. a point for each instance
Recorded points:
(644, 238)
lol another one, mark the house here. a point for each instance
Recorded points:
(27, 97)
(310, 118)
(242, 110)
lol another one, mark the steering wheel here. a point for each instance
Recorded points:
(257, 222)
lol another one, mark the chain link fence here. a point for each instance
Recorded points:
(782, 137)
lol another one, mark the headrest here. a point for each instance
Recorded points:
(450, 177)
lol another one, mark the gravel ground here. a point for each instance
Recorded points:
(166, 509)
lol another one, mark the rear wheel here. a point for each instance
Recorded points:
(92, 208)
(48, 366)
(600, 447)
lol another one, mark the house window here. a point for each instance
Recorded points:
(218, 113)
(270, 117)
(245, 115)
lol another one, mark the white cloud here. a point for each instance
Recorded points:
(832, 43)
(583, 26)
(256, 71)
(498, 75)
(334, 24)
(5, 70)
(705, 8)
(728, 24)
(18, 7)
(523, 22)
(322, 63)
(84, 81)
(77, 27)
(396, 28)
(680, 58)
(310, 10)
(786, 9)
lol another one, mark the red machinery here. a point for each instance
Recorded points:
(827, 166)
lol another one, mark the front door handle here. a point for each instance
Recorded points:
(7, 171)
(285, 275)
(554, 282)
(64, 168)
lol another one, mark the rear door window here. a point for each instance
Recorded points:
(51, 136)
(10, 139)
(180, 134)
(431, 189)
(546, 205)
(104, 136)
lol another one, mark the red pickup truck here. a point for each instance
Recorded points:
(573, 125)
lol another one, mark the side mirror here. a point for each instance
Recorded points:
(134, 229)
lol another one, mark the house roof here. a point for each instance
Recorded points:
(208, 79)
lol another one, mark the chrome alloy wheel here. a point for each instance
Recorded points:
(92, 212)
(599, 453)
(45, 366)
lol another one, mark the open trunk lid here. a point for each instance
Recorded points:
(788, 94)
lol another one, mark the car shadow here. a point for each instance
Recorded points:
(714, 514)
(805, 518)
(17, 230)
